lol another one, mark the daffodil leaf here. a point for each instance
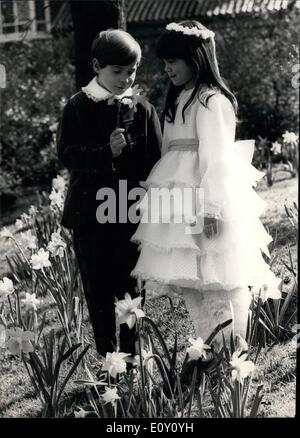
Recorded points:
(73, 368)
(160, 338)
(216, 330)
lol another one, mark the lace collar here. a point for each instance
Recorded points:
(97, 93)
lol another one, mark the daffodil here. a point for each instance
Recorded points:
(6, 288)
(268, 290)
(242, 345)
(127, 310)
(31, 301)
(25, 218)
(32, 210)
(276, 148)
(40, 260)
(19, 341)
(29, 240)
(241, 368)
(197, 349)
(110, 395)
(59, 183)
(5, 233)
(56, 198)
(19, 224)
(115, 363)
(146, 355)
(57, 245)
(290, 137)
(81, 413)
(130, 100)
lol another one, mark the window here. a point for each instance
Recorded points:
(20, 19)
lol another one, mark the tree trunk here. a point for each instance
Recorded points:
(122, 18)
(89, 18)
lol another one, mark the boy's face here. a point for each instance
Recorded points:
(116, 78)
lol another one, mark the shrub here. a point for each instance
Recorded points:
(39, 80)
(256, 56)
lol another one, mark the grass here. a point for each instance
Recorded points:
(276, 366)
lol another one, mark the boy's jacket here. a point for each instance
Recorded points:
(83, 148)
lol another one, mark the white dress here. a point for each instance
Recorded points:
(202, 153)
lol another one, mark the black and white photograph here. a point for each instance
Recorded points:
(149, 211)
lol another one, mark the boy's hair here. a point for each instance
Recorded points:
(115, 47)
(200, 54)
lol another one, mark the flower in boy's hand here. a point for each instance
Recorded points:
(132, 101)
(136, 91)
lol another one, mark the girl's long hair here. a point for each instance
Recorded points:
(201, 55)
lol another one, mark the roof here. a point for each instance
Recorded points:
(142, 11)
(160, 11)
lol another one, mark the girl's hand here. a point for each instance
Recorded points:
(211, 226)
(117, 142)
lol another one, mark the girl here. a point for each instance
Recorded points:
(213, 255)
(108, 136)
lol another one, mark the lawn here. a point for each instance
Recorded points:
(276, 365)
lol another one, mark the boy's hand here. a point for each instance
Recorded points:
(117, 142)
(211, 226)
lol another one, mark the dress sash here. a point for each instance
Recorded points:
(184, 144)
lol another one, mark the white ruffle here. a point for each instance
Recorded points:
(176, 168)
(97, 93)
(166, 237)
(171, 259)
(181, 268)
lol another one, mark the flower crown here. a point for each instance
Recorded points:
(192, 31)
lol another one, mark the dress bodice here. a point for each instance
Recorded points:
(195, 115)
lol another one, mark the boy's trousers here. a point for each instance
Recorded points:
(106, 257)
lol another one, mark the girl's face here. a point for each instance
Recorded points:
(116, 78)
(179, 72)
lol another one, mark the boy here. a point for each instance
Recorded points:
(107, 134)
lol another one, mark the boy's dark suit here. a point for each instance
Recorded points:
(104, 251)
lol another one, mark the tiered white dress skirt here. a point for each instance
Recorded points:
(175, 255)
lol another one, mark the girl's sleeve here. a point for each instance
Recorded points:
(216, 132)
(154, 138)
(74, 154)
